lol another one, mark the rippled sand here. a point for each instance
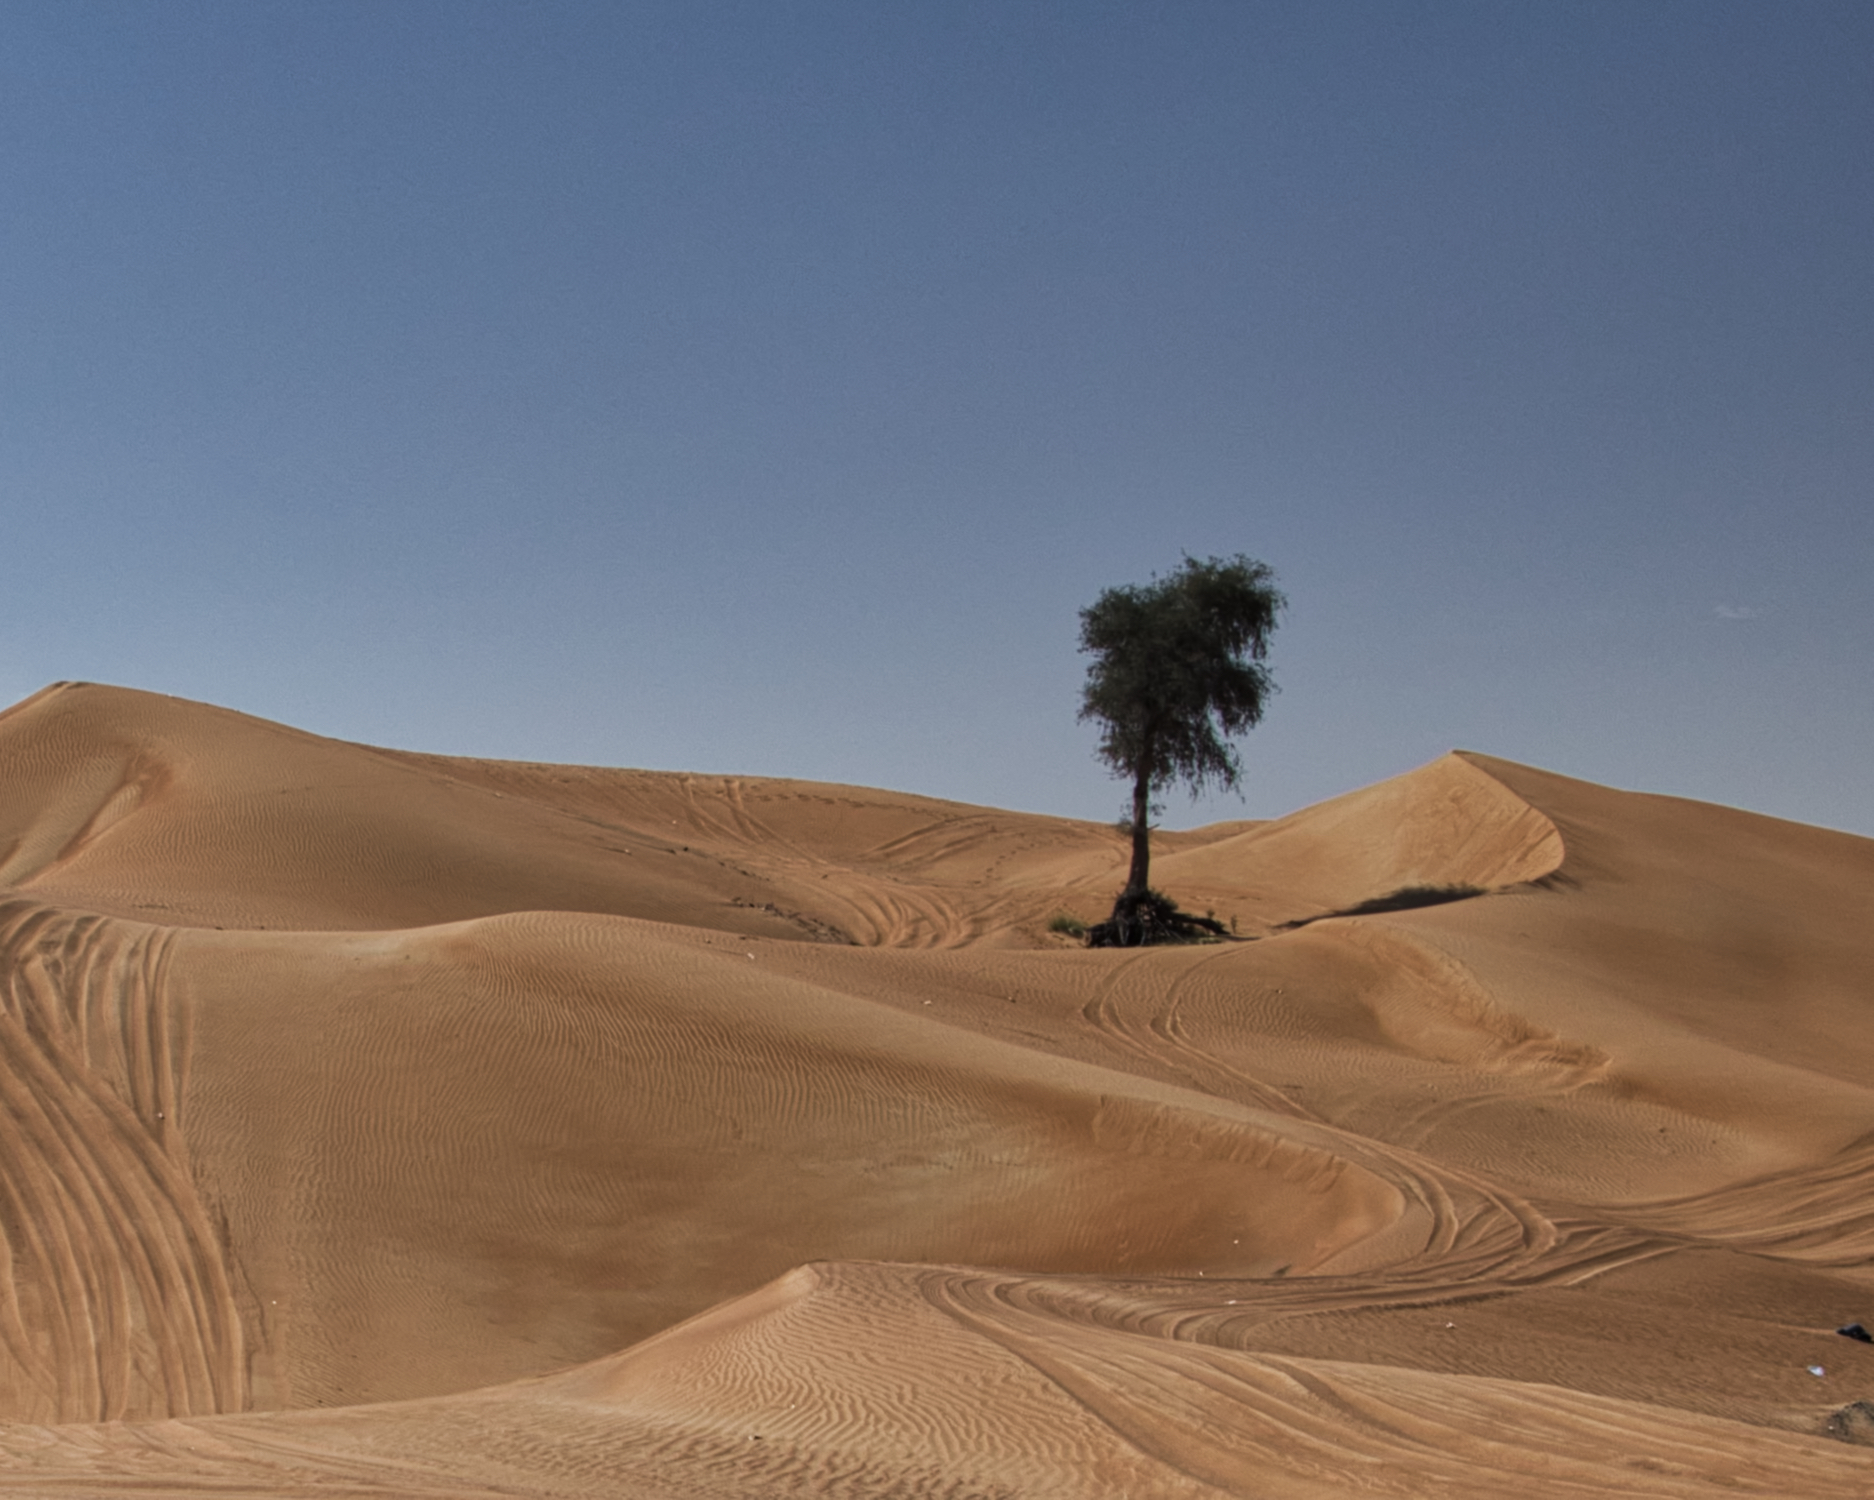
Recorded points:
(377, 1123)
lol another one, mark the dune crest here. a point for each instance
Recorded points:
(1447, 824)
(375, 1121)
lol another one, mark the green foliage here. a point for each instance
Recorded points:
(1067, 925)
(1177, 670)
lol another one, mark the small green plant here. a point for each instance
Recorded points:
(1409, 896)
(1067, 925)
(1406, 898)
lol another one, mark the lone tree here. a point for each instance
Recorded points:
(1177, 671)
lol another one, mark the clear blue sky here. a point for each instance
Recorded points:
(765, 387)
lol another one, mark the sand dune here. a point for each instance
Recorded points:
(390, 1123)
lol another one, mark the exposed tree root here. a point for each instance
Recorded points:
(1143, 918)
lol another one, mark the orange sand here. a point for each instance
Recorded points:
(377, 1123)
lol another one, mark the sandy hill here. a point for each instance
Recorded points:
(405, 1124)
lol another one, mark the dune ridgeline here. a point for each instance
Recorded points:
(382, 1123)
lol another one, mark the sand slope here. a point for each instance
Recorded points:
(633, 1132)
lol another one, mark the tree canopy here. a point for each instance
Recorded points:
(1177, 673)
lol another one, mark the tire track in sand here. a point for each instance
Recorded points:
(1821, 1214)
(115, 1299)
(1477, 1235)
(877, 909)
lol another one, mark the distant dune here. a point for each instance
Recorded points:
(382, 1123)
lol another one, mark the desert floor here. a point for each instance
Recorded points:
(375, 1123)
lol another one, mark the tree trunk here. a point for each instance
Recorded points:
(1141, 833)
